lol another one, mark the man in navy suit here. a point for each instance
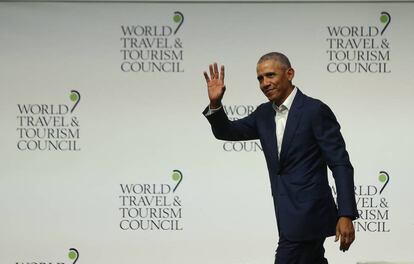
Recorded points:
(300, 138)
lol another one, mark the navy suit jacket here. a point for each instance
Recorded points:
(304, 205)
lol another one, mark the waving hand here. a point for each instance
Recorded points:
(215, 85)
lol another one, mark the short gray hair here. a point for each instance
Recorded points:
(276, 56)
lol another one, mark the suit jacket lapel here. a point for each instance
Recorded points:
(271, 132)
(292, 123)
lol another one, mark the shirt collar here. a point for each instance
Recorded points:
(288, 102)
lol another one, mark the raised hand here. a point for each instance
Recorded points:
(215, 85)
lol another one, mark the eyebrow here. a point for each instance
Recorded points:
(267, 74)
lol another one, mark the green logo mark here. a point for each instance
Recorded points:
(177, 176)
(385, 18)
(73, 255)
(74, 97)
(384, 178)
(178, 18)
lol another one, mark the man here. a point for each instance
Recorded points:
(300, 138)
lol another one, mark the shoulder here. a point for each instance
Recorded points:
(313, 103)
(309, 103)
(316, 109)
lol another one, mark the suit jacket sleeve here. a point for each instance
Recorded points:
(224, 129)
(332, 145)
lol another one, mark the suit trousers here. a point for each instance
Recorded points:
(300, 252)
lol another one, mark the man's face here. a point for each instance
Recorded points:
(275, 80)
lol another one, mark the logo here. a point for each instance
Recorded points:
(153, 48)
(73, 256)
(151, 206)
(177, 176)
(49, 127)
(373, 206)
(384, 178)
(385, 19)
(178, 18)
(74, 97)
(236, 112)
(359, 48)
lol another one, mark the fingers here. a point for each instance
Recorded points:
(206, 76)
(222, 73)
(214, 72)
(210, 67)
(345, 243)
(347, 238)
(345, 232)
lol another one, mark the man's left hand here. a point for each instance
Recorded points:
(345, 231)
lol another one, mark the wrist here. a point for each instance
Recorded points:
(215, 104)
(345, 218)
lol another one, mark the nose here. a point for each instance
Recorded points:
(265, 82)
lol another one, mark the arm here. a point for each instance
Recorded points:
(223, 128)
(332, 145)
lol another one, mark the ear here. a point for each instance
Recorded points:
(290, 73)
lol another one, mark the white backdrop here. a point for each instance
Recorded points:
(138, 127)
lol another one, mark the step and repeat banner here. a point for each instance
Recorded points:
(106, 157)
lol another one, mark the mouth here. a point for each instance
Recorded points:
(268, 91)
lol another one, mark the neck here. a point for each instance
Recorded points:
(283, 99)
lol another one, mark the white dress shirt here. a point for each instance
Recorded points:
(281, 117)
